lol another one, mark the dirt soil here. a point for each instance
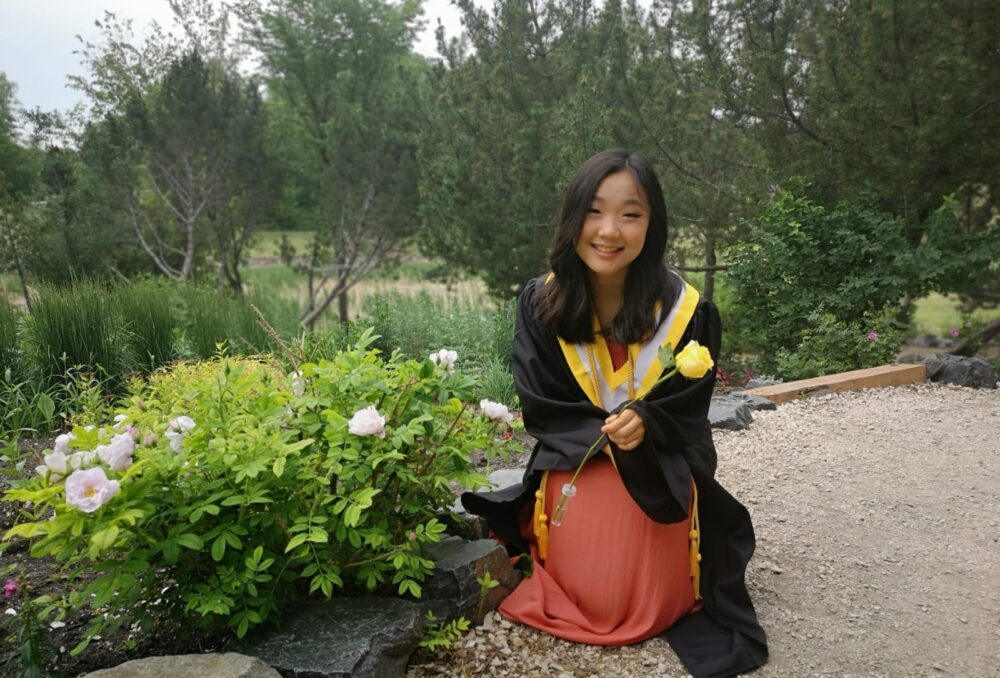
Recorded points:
(877, 516)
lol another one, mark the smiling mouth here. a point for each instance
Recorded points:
(607, 250)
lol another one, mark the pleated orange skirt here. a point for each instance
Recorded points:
(612, 576)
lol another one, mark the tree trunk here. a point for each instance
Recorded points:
(709, 292)
(17, 263)
(342, 306)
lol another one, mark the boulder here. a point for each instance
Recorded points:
(228, 665)
(344, 637)
(453, 588)
(756, 402)
(730, 413)
(958, 370)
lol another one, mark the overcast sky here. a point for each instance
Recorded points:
(37, 40)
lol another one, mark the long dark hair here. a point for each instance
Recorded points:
(565, 302)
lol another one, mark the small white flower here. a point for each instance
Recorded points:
(10, 611)
(89, 489)
(496, 411)
(120, 419)
(445, 358)
(367, 422)
(62, 442)
(298, 383)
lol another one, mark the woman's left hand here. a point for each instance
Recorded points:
(626, 430)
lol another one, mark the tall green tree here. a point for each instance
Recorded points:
(342, 72)
(511, 114)
(899, 98)
(190, 165)
(18, 174)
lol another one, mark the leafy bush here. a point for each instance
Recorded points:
(802, 258)
(250, 490)
(829, 345)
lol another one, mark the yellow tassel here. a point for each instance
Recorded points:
(540, 520)
(695, 540)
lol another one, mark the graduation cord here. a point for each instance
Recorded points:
(694, 537)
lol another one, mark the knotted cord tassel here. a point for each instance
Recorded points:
(540, 521)
(695, 540)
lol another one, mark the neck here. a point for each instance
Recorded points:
(608, 297)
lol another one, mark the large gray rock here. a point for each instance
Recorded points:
(961, 371)
(755, 402)
(453, 590)
(505, 477)
(228, 665)
(730, 413)
(341, 638)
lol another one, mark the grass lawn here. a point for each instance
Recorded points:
(266, 242)
(938, 314)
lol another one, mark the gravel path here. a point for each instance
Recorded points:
(877, 516)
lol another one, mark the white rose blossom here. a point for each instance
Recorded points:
(117, 454)
(55, 466)
(182, 424)
(62, 442)
(176, 430)
(89, 489)
(367, 422)
(496, 411)
(445, 358)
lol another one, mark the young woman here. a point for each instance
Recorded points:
(651, 541)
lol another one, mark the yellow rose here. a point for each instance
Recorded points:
(694, 361)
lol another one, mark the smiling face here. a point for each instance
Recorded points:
(614, 230)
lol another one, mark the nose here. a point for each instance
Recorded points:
(608, 226)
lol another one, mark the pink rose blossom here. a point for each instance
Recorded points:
(89, 489)
(11, 587)
(873, 336)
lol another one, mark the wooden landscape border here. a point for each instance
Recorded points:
(872, 377)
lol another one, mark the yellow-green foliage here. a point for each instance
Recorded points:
(249, 489)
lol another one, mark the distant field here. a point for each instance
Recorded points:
(938, 314)
(266, 243)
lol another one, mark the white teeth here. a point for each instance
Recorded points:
(601, 248)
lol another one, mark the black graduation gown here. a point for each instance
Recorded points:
(723, 638)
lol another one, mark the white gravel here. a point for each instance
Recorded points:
(877, 515)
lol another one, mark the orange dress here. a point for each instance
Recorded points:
(612, 576)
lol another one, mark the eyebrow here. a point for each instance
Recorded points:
(628, 201)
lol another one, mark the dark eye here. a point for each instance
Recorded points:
(632, 215)
(593, 210)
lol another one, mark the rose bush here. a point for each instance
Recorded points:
(251, 489)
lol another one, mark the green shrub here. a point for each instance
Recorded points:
(802, 258)
(10, 351)
(250, 490)
(145, 306)
(496, 383)
(78, 325)
(420, 324)
(829, 345)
